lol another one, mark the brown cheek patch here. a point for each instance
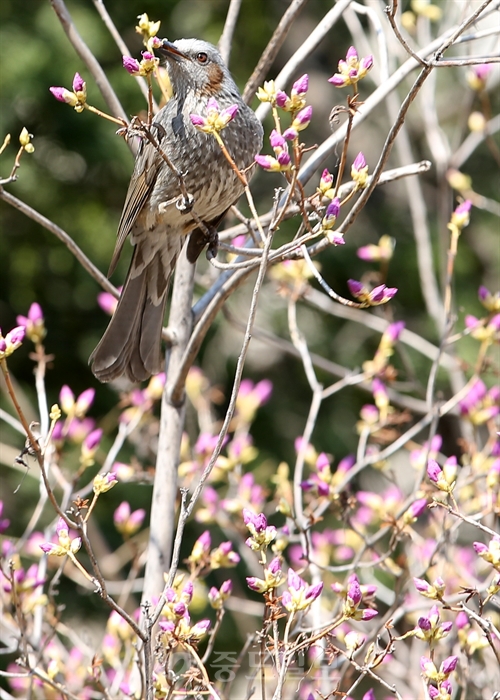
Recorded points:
(214, 82)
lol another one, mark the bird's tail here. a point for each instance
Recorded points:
(131, 344)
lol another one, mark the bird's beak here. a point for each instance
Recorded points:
(171, 51)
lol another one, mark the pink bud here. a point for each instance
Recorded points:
(16, 336)
(368, 614)
(78, 83)
(284, 158)
(84, 401)
(230, 112)
(63, 95)
(276, 140)
(359, 162)
(264, 161)
(212, 105)
(122, 513)
(354, 590)
(35, 313)
(197, 120)
(93, 439)
(421, 585)
(131, 65)
(365, 64)
(337, 80)
(303, 117)
(200, 628)
(66, 399)
(326, 179)
(290, 134)
(480, 548)
(204, 540)
(274, 566)
(301, 85)
(355, 287)
(449, 665)
(281, 98)
(179, 609)
(333, 209)
(394, 330)
(418, 507)
(434, 471)
(226, 588)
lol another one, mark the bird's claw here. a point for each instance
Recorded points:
(185, 203)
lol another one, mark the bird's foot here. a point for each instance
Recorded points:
(199, 239)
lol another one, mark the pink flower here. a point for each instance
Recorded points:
(352, 69)
(299, 595)
(215, 119)
(378, 295)
(77, 98)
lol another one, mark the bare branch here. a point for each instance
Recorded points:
(226, 38)
(91, 62)
(272, 48)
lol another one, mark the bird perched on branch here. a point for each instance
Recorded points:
(182, 184)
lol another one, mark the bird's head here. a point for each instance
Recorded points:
(196, 64)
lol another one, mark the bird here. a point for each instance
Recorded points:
(156, 215)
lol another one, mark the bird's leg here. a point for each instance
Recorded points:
(199, 238)
(185, 203)
(213, 243)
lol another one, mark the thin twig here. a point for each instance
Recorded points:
(232, 402)
(84, 261)
(272, 48)
(226, 38)
(207, 307)
(306, 48)
(391, 15)
(91, 62)
(122, 46)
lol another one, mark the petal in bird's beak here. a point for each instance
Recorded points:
(171, 51)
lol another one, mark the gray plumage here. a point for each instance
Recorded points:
(131, 344)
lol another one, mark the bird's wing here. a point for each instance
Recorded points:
(147, 166)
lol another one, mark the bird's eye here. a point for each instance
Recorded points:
(202, 57)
